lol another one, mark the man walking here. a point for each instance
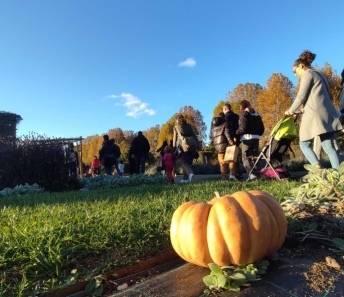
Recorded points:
(107, 154)
(140, 149)
(232, 119)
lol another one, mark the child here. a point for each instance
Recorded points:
(121, 168)
(95, 166)
(168, 159)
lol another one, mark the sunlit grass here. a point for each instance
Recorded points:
(46, 236)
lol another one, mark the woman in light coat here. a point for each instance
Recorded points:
(320, 117)
(185, 158)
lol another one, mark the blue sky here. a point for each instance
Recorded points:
(75, 68)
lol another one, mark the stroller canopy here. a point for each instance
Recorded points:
(285, 129)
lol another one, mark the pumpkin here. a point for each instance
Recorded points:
(240, 228)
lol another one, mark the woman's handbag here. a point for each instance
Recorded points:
(188, 143)
(159, 165)
(231, 154)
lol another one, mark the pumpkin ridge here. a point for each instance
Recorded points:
(217, 238)
(257, 223)
(174, 233)
(278, 214)
(274, 231)
(191, 232)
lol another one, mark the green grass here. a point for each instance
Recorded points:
(46, 236)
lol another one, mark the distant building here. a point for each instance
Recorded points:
(8, 124)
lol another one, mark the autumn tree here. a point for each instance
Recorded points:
(117, 134)
(218, 108)
(129, 135)
(334, 82)
(85, 149)
(152, 135)
(274, 100)
(90, 148)
(247, 91)
(166, 131)
(124, 145)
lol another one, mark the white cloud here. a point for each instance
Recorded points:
(133, 104)
(189, 62)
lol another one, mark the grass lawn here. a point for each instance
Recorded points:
(47, 236)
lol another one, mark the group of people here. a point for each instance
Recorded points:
(110, 152)
(320, 123)
(229, 129)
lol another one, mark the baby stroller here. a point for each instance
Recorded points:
(279, 142)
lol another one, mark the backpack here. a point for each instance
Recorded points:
(72, 157)
(255, 124)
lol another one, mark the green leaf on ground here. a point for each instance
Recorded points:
(210, 280)
(90, 286)
(215, 268)
(338, 242)
(238, 276)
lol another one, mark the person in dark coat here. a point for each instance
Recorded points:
(222, 135)
(251, 128)
(118, 154)
(233, 118)
(131, 160)
(140, 147)
(108, 153)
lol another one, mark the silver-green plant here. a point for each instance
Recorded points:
(112, 182)
(323, 187)
(20, 190)
(233, 277)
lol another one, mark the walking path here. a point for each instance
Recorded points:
(206, 177)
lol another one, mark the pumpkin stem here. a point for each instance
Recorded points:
(217, 194)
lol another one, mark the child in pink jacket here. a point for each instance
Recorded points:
(168, 159)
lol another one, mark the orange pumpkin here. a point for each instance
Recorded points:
(240, 228)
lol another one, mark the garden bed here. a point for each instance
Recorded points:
(52, 241)
(310, 235)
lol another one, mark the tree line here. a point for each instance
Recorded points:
(156, 135)
(270, 101)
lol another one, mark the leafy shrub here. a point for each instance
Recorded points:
(35, 159)
(113, 182)
(21, 190)
(323, 187)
